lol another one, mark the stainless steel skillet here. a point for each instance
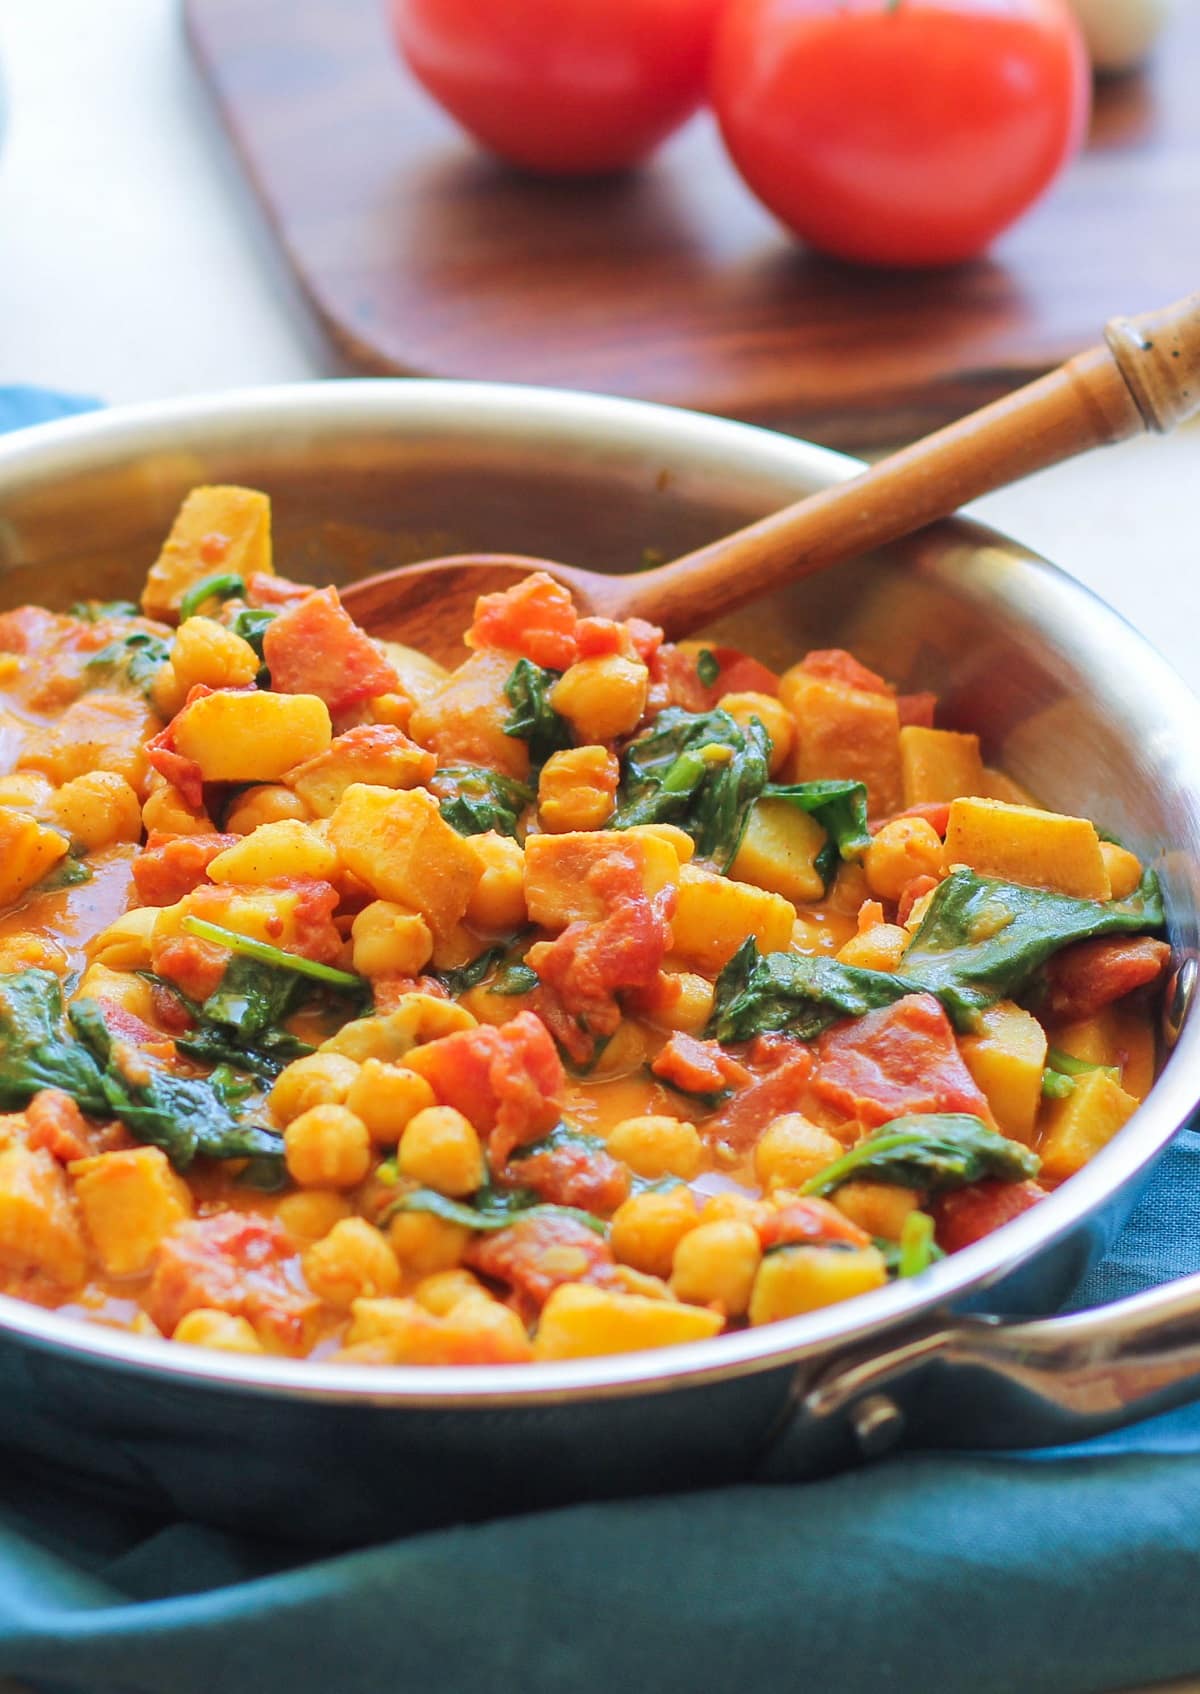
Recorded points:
(367, 475)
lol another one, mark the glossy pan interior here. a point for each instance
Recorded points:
(367, 475)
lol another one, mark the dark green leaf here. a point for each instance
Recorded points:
(794, 994)
(138, 657)
(893, 1253)
(515, 979)
(474, 800)
(185, 1116)
(841, 810)
(100, 611)
(500, 1210)
(222, 585)
(708, 668)
(982, 940)
(456, 982)
(251, 623)
(533, 717)
(699, 770)
(67, 873)
(36, 1047)
(248, 948)
(932, 1151)
(240, 1023)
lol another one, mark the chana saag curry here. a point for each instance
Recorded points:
(599, 994)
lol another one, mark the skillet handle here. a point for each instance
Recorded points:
(980, 1382)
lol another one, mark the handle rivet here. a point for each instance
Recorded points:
(878, 1424)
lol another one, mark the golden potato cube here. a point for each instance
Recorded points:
(844, 732)
(1023, 844)
(792, 1280)
(130, 1201)
(878, 1207)
(322, 781)
(998, 785)
(27, 851)
(714, 916)
(1133, 1046)
(252, 737)
(879, 948)
(1006, 1057)
(264, 914)
(602, 698)
(1124, 869)
(274, 851)
(38, 1226)
(938, 764)
(559, 868)
(579, 1321)
(464, 721)
(398, 843)
(216, 530)
(100, 732)
(420, 676)
(1077, 1127)
(779, 851)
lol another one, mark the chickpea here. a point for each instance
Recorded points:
(424, 1244)
(440, 1149)
(98, 809)
(205, 651)
(877, 949)
(312, 1213)
(206, 1328)
(266, 802)
(791, 1150)
(624, 1052)
(685, 1002)
(647, 1228)
(656, 1146)
(1124, 869)
(715, 1265)
(602, 698)
(353, 1261)
(577, 789)
(318, 1079)
(739, 1208)
(390, 940)
(167, 693)
(878, 1207)
(386, 1097)
(166, 810)
(327, 1147)
(903, 849)
(497, 903)
(772, 714)
(444, 1290)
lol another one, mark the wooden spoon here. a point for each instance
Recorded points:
(1145, 375)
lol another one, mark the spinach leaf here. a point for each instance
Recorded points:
(933, 1151)
(533, 717)
(251, 623)
(699, 770)
(99, 611)
(516, 979)
(498, 1209)
(240, 1022)
(708, 667)
(470, 975)
(841, 810)
(246, 947)
(36, 1047)
(138, 657)
(69, 872)
(794, 993)
(222, 585)
(473, 799)
(982, 940)
(185, 1116)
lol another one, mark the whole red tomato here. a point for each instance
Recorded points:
(900, 132)
(563, 86)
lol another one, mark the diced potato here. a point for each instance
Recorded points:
(879, 948)
(1124, 869)
(100, 732)
(130, 1200)
(398, 843)
(121, 988)
(844, 732)
(204, 651)
(380, 758)
(998, 785)
(267, 913)
(1118, 1035)
(421, 677)
(392, 1035)
(38, 1226)
(252, 736)
(647, 1228)
(216, 530)
(580, 1321)
(576, 789)
(792, 1280)
(560, 872)
(680, 1000)
(27, 851)
(602, 698)
(1022, 844)
(1006, 1057)
(779, 851)
(1077, 1127)
(938, 764)
(714, 916)
(464, 722)
(27, 791)
(878, 1207)
(274, 851)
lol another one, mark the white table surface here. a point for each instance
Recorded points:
(133, 265)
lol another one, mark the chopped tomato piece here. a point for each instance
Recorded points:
(573, 1175)
(913, 891)
(170, 866)
(536, 1254)
(675, 678)
(535, 618)
(917, 709)
(183, 774)
(506, 1078)
(55, 1122)
(901, 1058)
(743, 1119)
(646, 638)
(265, 590)
(1089, 975)
(935, 812)
(315, 647)
(809, 1221)
(969, 1214)
(233, 1262)
(836, 665)
(870, 915)
(740, 674)
(388, 991)
(699, 1067)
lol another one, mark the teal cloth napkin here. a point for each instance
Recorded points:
(1053, 1573)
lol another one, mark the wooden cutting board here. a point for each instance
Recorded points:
(421, 256)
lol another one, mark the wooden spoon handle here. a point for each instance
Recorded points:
(1146, 375)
